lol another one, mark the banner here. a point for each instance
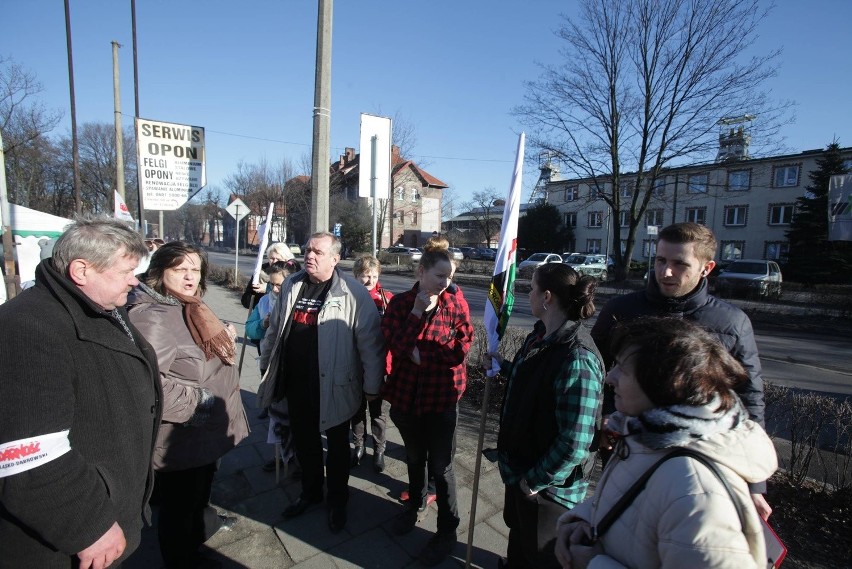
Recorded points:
(501, 293)
(264, 231)
(840, 208)
(121, 211)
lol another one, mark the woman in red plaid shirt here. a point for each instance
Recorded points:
(428, 332)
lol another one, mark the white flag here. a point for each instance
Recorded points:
(501, 293)
(264, 231)
(121, 211)
(840, 208)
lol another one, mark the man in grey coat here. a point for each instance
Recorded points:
(80, 406)
(323, 351)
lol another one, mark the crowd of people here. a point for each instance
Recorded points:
(666, 388)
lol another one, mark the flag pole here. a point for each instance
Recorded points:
(255, 277)
(498, 308)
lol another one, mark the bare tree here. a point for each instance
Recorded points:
(642, 87)
(24, 122)
(486, 210)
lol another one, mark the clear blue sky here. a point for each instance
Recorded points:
(454, 69)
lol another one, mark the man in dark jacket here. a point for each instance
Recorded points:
(80, 406)
(677, 287)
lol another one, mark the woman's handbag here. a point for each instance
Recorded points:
(775, 549)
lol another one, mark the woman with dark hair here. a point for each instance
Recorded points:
(428, 332)
(203, 416)
(683, 430)
(547, 424)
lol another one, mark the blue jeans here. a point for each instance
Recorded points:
(430, 440)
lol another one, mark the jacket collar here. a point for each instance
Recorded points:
(564, 335)
(684, 304)
(90, 320)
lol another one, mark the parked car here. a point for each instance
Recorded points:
(483, 254)
(752, 277)
(456, 253)
(591, 265)
(526, 268)
(295, 248)
(400, 255)
(466, 251)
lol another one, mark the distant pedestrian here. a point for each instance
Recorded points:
(429, 332)
(277, 252)
(79, 408)
(323, 352)
(550, 411)
(203, 415)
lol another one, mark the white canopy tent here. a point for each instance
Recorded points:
(29, 227)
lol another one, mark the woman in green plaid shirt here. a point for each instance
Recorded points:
(551, 408)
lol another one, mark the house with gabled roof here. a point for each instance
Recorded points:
(413, 211)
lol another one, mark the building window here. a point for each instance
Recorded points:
(593, 246)
(731, 250)
(414, 217)
(626, 188)
(698, 184)
(696, 214)
(654, 217)
(595, 219)
(572, 193)
(623, 245)
(739, 180)
(649, 248)
(571, 219)
(660, 186)
(401, 216)
(735, 215)
(595, 192)
(776, 251)
(785, 176)
(414, 195)
(624, 219)
(400, 194)
(780, 214)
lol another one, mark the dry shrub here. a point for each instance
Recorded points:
(819, 428)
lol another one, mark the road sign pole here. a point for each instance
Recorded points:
(237, 246)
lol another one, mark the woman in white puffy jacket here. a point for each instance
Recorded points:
(672, 384)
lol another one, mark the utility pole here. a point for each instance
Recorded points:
(119, 138)
(75, 151)
(322, 120)
(142, 223)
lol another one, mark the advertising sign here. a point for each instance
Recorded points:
(170, 163)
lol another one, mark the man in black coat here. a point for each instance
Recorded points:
(677, 287)
(80, 406)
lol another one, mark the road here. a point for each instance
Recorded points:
(794, 359)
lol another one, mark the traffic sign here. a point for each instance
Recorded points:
(238, 209)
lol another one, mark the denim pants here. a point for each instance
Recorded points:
(430, 440)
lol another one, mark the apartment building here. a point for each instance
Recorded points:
(748, 203)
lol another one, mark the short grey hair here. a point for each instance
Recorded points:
(96, 240)
(335, 242)
(282, 249)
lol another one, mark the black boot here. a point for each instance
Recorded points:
(379, 461)
(357, 455)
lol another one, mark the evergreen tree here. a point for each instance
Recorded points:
(541, 230)
(813, 258)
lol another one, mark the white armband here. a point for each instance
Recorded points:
(25, 454)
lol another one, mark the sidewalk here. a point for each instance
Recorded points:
(262, 539)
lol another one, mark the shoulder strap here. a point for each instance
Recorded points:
(628, 497)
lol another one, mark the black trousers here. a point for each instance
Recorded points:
(308, 442)
(430, 440)
(532, 529)
(378, 424)
(186, 518)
